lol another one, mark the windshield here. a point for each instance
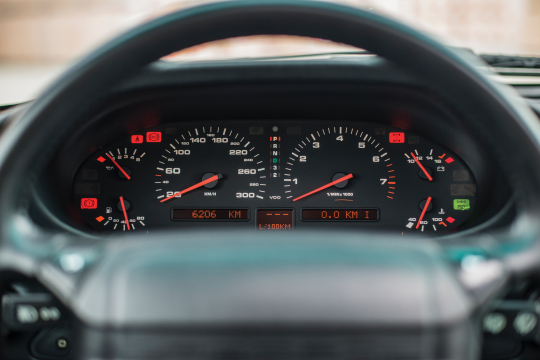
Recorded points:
(39, 38)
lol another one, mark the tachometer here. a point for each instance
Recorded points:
(340, 166)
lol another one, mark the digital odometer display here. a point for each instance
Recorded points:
(340, 214)
(210, 214)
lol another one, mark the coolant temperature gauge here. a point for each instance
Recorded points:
(429, 219)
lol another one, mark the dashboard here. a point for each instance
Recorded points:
(169, 151)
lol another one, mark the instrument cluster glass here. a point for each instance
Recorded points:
(281, 175)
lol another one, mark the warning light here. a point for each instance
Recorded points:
(137, 139)
(101, 159)
(100, 218)
(396, 137)
(88, 203)
(153, 136)
(462, 204)
(450, 219)
(449, 160)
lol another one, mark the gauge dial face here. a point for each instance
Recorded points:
(446, 189)
(339, 166)
(209, 159)
(100, 188)
(275, 175)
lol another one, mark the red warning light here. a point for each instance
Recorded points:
(450, 219)
(137, 139)
(396, 137)
(153, 136)
(88, 203)
(101, 159)
(449, 160)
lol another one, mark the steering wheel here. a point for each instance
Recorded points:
(173, 295)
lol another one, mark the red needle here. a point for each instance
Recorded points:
(119, 167)
(422, 167)
(198, 185)
(346, 177)
(423, 212)
(124, 210)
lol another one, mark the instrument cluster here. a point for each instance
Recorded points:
(274, 175)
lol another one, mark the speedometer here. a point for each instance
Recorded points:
(207, 158)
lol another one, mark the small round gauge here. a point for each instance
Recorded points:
(339, 166)
(101, 185)
(445, 189)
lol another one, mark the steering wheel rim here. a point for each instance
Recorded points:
(36, 134)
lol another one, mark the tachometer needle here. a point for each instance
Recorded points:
(198, 185)
(346, 177)
(124, 210)
(422, 167)
(423, 212)
(119, 168)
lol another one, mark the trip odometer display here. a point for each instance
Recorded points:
(339, 166)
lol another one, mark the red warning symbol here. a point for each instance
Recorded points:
(153, 136)
(137, 139)
(88, 203)
(396, 137)
(449, 160)
(101, 159)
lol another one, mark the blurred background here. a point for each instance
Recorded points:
(40, 38)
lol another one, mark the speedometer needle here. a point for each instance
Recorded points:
(422, 167)
(198, 185)
(124, 210)
(423, 212)
(346, 177)
(119, 168)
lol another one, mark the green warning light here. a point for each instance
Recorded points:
(274, 160)
(462, 204)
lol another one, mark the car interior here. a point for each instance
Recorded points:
(381, 203)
